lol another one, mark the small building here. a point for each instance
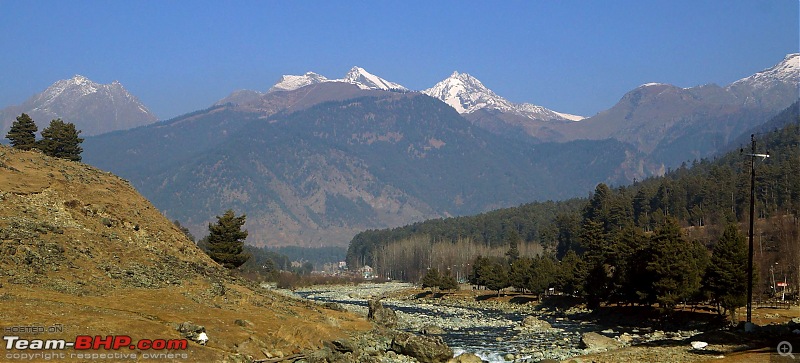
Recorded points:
(366, 272)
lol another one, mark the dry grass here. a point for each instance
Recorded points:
(81, 248)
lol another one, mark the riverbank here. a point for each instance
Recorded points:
(520, 328)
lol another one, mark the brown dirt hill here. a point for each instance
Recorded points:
(82, 251)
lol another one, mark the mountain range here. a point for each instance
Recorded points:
(94, 108)
(315, 165)
(312, 160)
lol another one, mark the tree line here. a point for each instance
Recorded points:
(59, 139)
(658, 241)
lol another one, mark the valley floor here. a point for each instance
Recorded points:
(654, 339)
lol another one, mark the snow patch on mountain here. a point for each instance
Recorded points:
(291, 82)
(94, 108)
(787, 71)
(357, 76)
(466, 94)
(365, 80)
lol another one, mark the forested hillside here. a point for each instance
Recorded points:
(606, 229)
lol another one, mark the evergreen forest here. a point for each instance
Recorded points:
(663, 240)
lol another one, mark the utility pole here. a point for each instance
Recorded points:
(752, 156)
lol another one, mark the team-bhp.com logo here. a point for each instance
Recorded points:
(86, 345)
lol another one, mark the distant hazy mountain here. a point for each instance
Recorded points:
(93, 108)
(316, 165)
(674, 124)
(356, 76)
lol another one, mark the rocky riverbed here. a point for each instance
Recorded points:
(496, 331)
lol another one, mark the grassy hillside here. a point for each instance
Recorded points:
(81, 248)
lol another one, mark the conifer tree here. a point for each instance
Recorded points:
(431, 278)
(23, 133)
(448, 282)
(674, 272)
(512, 239)
(496, 278)
(61, 140)
(226, 240)
(543, 274)
(726, 274)
(570, 275)
(520, 273)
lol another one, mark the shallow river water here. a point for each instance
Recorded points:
(489, 332)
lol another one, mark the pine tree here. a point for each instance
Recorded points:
(520, 273)
(480, 267)
(431, 278)
(512, 239)
(543, 274)
(675, 275)
(226, 240)
(726, 274)
(61, 140)
(448, 282)
(23, 133)
(496, 278)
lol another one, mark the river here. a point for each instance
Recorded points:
(490, 330)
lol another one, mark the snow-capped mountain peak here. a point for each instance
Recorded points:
(365, 80)
(787, 71)
(94, 108)
(357, 76)
(467, 94)
(291, 82)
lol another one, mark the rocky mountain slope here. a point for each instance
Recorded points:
(315, 165)
(81, 249)
(311, 165)
(93, 108)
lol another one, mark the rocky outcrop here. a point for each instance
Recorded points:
(594, 342)
(432, 330)
(424, 349)
(190, 330)
(381, 315)
(533, 323)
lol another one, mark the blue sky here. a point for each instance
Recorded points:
(571, 56)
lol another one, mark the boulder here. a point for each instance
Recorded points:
(432, 330)
(333, 306)
(535, 323)
(190, 330)
(594, 342)
(466, 358)
(342, 346)
(381, 315)
(423, 349)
